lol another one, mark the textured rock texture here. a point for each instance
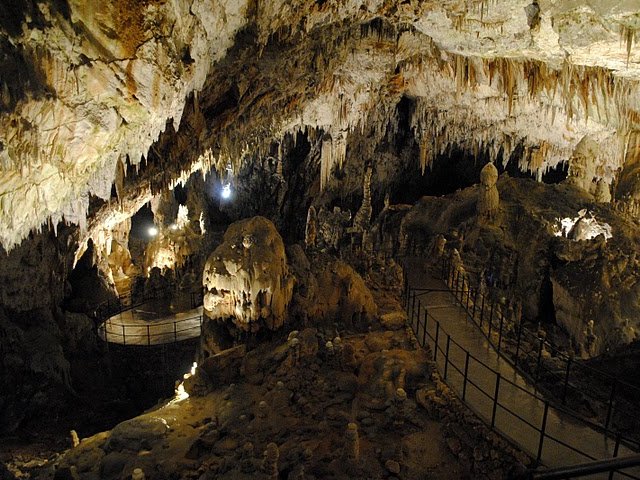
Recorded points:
(96, 86)
(246, 278)
(303, 406)
(560, 281)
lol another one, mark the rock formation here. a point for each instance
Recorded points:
(488, 199)
(108, 106)
(311, 228)
(362, 219)
(582, 165)
(332, 226)
(246, 278)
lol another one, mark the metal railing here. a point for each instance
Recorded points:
(151, 333)
(474, 374)
(527, 351)
(125, 303)
(599, 466)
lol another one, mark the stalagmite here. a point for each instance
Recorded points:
(582, 166)
(488, 198)
(362, 218)
(246, 279)
(311, 228)
(270, 461)
(138, 474)
(352, 442)
(75, 441)
(602, 193)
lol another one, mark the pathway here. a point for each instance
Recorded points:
(153, 323)
(519, 413)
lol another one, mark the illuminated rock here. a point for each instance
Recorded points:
(247, 279)
(582, 166)
(488, 198)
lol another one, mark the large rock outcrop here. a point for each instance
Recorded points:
(246, 279)
(585, 284)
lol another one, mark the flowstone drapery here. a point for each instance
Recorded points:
(246, 279)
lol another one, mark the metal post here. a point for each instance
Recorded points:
(413, 305)
(535, 383)
(615, 453)
(495, 401)
(435, 346)
(455, 284)
(542, 432)
(482, 310)
(475, 302)
(424, 332)
(124, 337)
(500, 333)
(148, 336)
(417, 317)
(566, 381)
(611, 404)
(468, 295)
(490, 322)
(446, 356)
(466, 373)
(518, 344)
(493, 304)
(407, 299)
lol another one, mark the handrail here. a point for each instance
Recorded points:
(107, 308)
(419, 324)
(583, 469)
(111, 331)
(460, 287)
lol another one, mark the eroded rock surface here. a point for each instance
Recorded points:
(247, 279)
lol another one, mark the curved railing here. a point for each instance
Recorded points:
(472, 377)
(151, 333)
(526, 350)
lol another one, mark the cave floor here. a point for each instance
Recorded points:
(309, 403)
(515, 393)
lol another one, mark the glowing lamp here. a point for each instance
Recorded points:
(152, 231)
(226, 191)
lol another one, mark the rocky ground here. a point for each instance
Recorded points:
(310, 403)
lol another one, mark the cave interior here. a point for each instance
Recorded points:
(214, 215)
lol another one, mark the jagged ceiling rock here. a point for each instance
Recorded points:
(86, 86)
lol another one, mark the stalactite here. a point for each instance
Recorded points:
(628, 37)
(326, 160)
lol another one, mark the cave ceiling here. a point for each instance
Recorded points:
(93, 91)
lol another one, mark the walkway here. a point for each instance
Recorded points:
(152, 323)
(519, 412)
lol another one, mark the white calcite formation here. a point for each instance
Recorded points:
(97, 84)
(246, 279)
